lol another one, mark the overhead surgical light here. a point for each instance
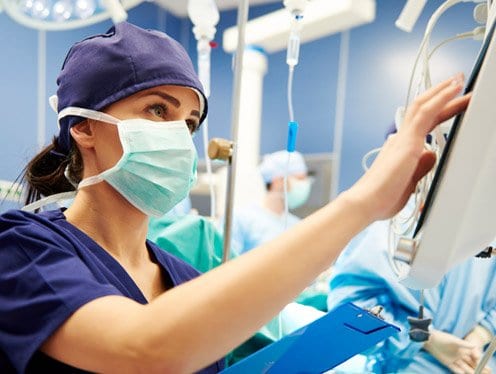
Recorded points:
(410, 14)
(56, 15)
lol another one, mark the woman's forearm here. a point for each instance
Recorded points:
(227, 305)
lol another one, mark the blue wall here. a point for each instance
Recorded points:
(380, 60)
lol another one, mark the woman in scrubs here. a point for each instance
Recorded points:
(82, 289)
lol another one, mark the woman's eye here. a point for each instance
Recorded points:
(158, 110)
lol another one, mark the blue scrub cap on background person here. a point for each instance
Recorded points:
(274, 165)
(106, 68)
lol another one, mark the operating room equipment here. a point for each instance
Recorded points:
(457, 221)
(205, 16)
(322, 18)
(476, 34)
(242, 19)
(423, 52)
(419, 326)
(402, 224)
(269, 33)
(66, 14)
(410, 14)
(296, 9)
(222, 149)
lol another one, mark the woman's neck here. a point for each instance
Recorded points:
(109, 219)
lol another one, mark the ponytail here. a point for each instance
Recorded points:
(45, 173)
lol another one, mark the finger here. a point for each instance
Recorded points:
(486, 370)
(427, 115)
(464, 366)
(475, 356)
(433, 91)
(455, 106)
(455, 368)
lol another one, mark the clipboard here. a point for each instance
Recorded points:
(321, 345)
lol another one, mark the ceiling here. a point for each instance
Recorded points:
(179, 7)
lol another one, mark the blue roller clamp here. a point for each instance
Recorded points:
(292, 132)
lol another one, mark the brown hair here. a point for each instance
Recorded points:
(44, 174)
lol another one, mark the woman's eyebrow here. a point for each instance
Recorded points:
(169, 98)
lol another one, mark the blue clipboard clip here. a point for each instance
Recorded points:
(320, 346)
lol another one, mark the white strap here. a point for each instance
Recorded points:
(87, 113)
(49, 200)
(91, 180)
(54, 103)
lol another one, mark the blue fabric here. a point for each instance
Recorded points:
(191, 238)
(49, 269)
(465, 297)
(255, 225)
(103, 69)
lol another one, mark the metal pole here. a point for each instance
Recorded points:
(340, 108)
(41, 137)
(238, 66)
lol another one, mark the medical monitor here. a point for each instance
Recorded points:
(458, 220)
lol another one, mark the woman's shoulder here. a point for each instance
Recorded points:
(18, 227)
(15, 218)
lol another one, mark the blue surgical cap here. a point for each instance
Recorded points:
(106, 68)
(274, 165)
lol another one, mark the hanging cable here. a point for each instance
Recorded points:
(404, 224)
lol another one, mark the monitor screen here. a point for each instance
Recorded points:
(457, 219)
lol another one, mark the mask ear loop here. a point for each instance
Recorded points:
(69, 111)
(69, 179)
(87, 113)
(49, 200)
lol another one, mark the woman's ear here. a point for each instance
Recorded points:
(83, 134)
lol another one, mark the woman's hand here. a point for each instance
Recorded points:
(385, 188)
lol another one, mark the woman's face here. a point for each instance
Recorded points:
(162, 103)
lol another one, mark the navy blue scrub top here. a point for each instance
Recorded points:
(49, 269)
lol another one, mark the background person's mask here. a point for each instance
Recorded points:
(299, 192)
(158, 166)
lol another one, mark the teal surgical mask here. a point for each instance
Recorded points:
(158, 166)
(299, 192)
